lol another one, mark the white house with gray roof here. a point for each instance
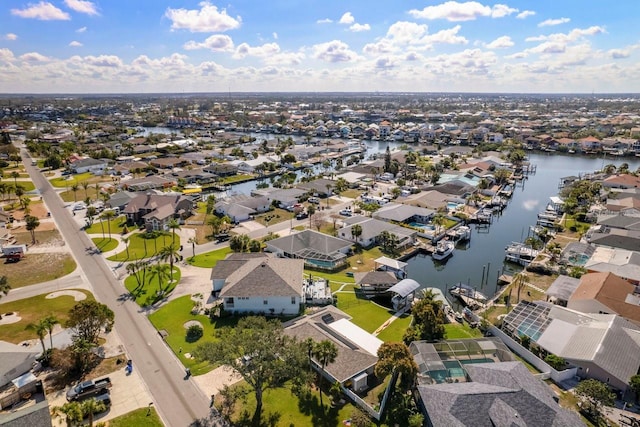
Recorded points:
(317, 249)
(259, 284)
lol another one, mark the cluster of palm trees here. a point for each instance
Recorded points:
(324, 353)
(42, 328)
(75, 412)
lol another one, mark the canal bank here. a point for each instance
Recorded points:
(483, 256)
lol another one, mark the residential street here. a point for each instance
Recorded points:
(178, 401)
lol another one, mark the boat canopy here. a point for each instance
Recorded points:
(405, 287)
(391, 263)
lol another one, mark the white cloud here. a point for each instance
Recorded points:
(467, 11)
(81, 30)
(215, 43)
(334, 51)
(43, 11)
(110, 61)
(406, 32)
(10, 36)
(285, 58)
(274, 35)
(525, 14)
(501, 43)
(6, 55)
(34, 57)
(502, 10)
(552, 22)
(347, 19)
(324, 21)
(356, 28)
(572, 35)
(82, 6)
(75, 44)
(448, 36)
(205, 20)
(243, 50)
(619, 53)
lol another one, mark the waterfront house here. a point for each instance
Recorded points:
(625, 181)
(319, 187)
(605, 347)
(154, 211)
(260, 284)
(317, 249)
(152, 182)
(168, 162)
(241, 207)
(608, 294)
(221, 169)
(285, 198)
(622, 262)
(357, 349)
(371, 229)
(375, 282)
(560, 291)
(614, 238)
(397, 212)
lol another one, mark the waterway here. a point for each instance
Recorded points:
(486, 250)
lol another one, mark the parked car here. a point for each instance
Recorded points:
(222, 237)
(314, 200)
(346, 212)
(87, 389)
(302, 215)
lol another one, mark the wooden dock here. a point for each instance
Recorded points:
(505, 279)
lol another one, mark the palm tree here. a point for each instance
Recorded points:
(97, 187)
(159, 271)
(74, 188)
(171, 254)
(108, 215)
(125, 240)
(439, 220)
(329, 187)
(356, 232)
(15, 175)
(50, 321)
(325, 352)
(193, 242)
(40, 328)
(32, 223)
(174, 225)
(71, 410)
(85, 185)
(519, 281)
(90, 407)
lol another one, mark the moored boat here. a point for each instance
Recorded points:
(520, 253)
(461, 290)
(443, 249)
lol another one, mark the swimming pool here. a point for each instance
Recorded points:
(578, 259)
(421, 225)
(452, 205)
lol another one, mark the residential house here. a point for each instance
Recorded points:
(493, 394)
(285, 198)
(404, 213)
(372, 228)
(221, 169)
(357, 349)
(151, 182)
(623, 263)
(260, 284)
(15, 360)
(241, 207)
(317, 249)
(95, 166)
(121, 199)
(154, 211)
(615, 238)
(560, 291)
(168, 162)
(621, 181)
(608, 294)
(605, 347)
(431, 199)
(320, 187)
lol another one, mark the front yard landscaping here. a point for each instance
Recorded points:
(172, 318)
(154, 287)
(457, 331)
(209, 259)
(31, 310)
(144, 245)
(102, 227)
(105, 244)
(142, 417)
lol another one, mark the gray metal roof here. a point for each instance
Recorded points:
(405, 287)
(563, 287)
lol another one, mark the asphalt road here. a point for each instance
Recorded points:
(178, 400)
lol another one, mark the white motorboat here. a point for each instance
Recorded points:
(520, 253)
(466, 292)
(443, 249)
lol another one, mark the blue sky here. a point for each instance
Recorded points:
(143, 46)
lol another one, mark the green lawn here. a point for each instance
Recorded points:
(37, 268)
(140, 248)
(274, 216)
(235, 178)
(364, 313)
(33, 309)
(289, 410)
(26, 185)
(172, 317)
(460, 331)
(149, 294)
(395, 331)
(105, 244)
(138, 418)
(209, 259)
(351, 193)
(63, 182)
(116, 224)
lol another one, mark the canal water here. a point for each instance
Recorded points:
(486, 250)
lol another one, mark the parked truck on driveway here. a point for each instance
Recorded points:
(87, 389)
